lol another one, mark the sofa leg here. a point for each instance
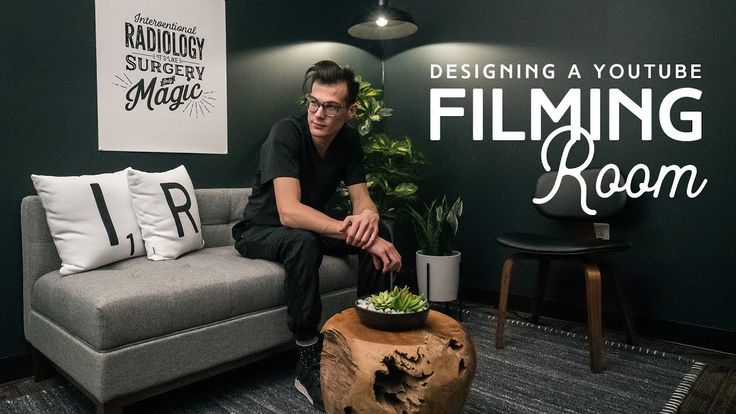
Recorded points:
(40, 366)
(110, 407)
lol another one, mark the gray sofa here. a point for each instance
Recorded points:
(136, 328)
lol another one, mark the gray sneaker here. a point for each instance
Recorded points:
(307, 374)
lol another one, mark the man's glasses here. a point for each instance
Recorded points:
(330, 109)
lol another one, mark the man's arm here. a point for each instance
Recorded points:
(385, 256)
(292, 213)
(361, 228)
(361, 199)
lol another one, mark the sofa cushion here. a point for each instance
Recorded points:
(167, 212)
(137, 299)
(91, 219)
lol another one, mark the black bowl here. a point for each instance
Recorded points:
(391, 321)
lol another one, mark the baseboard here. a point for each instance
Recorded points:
(15, 367)
(689, 334)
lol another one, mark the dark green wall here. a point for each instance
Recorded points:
(681, 266)
(49, 121)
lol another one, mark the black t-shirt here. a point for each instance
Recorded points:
(290, 152)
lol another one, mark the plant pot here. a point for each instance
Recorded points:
(443, 274)
(391, 321)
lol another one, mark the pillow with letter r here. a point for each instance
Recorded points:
(91, 219)
(167, 212)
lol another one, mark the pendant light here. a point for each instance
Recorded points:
(383, 23)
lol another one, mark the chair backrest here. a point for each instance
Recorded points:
(566, 202)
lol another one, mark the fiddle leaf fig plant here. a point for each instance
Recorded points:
(437, 226)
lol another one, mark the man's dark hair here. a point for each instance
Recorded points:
(330, 73)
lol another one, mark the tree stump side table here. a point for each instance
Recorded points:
(426, 370)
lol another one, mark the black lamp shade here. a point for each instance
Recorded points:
(399, 24)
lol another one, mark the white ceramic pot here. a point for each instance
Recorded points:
(444, 276)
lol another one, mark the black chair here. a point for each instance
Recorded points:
(581, 246)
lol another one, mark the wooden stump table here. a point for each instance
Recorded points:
(426, 370)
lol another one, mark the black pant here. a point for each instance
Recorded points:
(301, 251)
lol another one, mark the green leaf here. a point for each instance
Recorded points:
(420, 228)
(457, 207)
(452, 220)
(405, 189)
(385, 112)
(399, 299)
(365, 128)
(441, 223)
(439, 213)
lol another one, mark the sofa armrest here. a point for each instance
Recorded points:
(39, 252)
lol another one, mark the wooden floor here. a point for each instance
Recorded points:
(714, 391)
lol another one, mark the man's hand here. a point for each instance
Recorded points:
(384, 255)
(361, 229)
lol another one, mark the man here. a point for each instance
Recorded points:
(301, 164)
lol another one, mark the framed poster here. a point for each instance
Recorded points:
(161, 76)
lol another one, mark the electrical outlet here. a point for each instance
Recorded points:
(602, 231)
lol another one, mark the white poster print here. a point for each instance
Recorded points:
(161, 76)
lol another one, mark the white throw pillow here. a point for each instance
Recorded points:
(91, 219)
(167, 212)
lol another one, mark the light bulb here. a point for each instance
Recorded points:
(381, 21)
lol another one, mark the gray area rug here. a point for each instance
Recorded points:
(541, 370)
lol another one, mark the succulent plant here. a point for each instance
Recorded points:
(382, 300)
(401, 300)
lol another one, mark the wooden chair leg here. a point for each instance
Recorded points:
(623, 305)
(542, 271)
(595, 327)
(503, 301)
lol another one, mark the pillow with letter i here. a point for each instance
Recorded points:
(91, 219)
(167, 212)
